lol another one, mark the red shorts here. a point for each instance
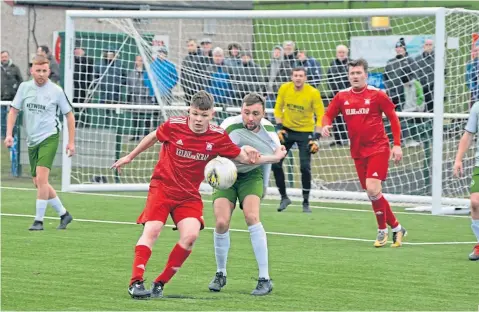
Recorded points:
(159, 205)
(374, 167)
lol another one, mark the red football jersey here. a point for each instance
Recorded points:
(184, 155)
(363, 114)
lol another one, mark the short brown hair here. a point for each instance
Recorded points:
(40, 60)
(299, 68)
(202, 100)
(359, 62)
(254, 98)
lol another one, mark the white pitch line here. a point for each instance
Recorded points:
(246, 231)
(263, 204)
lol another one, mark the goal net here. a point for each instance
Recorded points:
(132, 70)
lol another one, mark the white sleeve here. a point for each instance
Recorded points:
(64, 103)
(18, 100)
(471, 125)
(266, 174)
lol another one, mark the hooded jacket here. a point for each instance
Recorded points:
(166, 76)
(277, 72)
(233, 61)
(396, 68)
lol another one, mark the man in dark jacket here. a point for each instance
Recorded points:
(82, 75)
(425, 73)
(54, 67)
(312, 66)
(338, 80)
(111, 76)
(394, 72)
(11, 80)
(247, 77)
(192, 71)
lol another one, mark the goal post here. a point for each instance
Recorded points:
(110, 118)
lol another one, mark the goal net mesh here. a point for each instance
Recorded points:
(154, 66)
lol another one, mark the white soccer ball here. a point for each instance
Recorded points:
(221, 173)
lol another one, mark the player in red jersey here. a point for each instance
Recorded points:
(362, 107)
(188, 144)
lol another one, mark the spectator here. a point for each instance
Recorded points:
(139, 93)
(337, 81)
(82, 75)
(290, 53)
(278, 72)
(165, 74)
(192, 70)
(312, 66)
(220, 81)
(472, 74)
(395, 69)
(425, 73)
(11, 80)
(110, 76)
(247, 77)
(206, 53)
(54, 67)
(234, 55)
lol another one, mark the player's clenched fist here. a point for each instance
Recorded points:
(8, 141)
(396, 153)
(120, 162)
(252, 153)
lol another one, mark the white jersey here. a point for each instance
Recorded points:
(41, 107)
(266, 141)
(472, 126)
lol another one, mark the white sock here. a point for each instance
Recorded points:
(397, 228)
(260, 248)
(475, 228)
(41, 208)
(383, 230)
(222, 247)
(57, 205)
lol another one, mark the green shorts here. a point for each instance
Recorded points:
(475, 180)
(249, 183)
(43, 154)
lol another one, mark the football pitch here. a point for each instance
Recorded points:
(319, 261)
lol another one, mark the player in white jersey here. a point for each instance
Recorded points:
(250, 128)
(472, 128)
(41, 100)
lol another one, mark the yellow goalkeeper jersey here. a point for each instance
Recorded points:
(297, 108)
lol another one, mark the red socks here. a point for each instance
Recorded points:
(176, 259)
(383, 212)
(142, 254)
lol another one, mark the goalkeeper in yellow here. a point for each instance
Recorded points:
(297, 104)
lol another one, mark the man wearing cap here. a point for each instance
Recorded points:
(402, 67)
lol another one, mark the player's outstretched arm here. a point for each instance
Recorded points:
(11, 119)
(144, 144)
(464, 145)
(279, 154)
(71, 134)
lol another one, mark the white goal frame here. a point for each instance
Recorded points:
(435, 200)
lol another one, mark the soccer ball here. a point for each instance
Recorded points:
(221, 173)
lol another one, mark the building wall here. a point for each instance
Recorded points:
(15, 32)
